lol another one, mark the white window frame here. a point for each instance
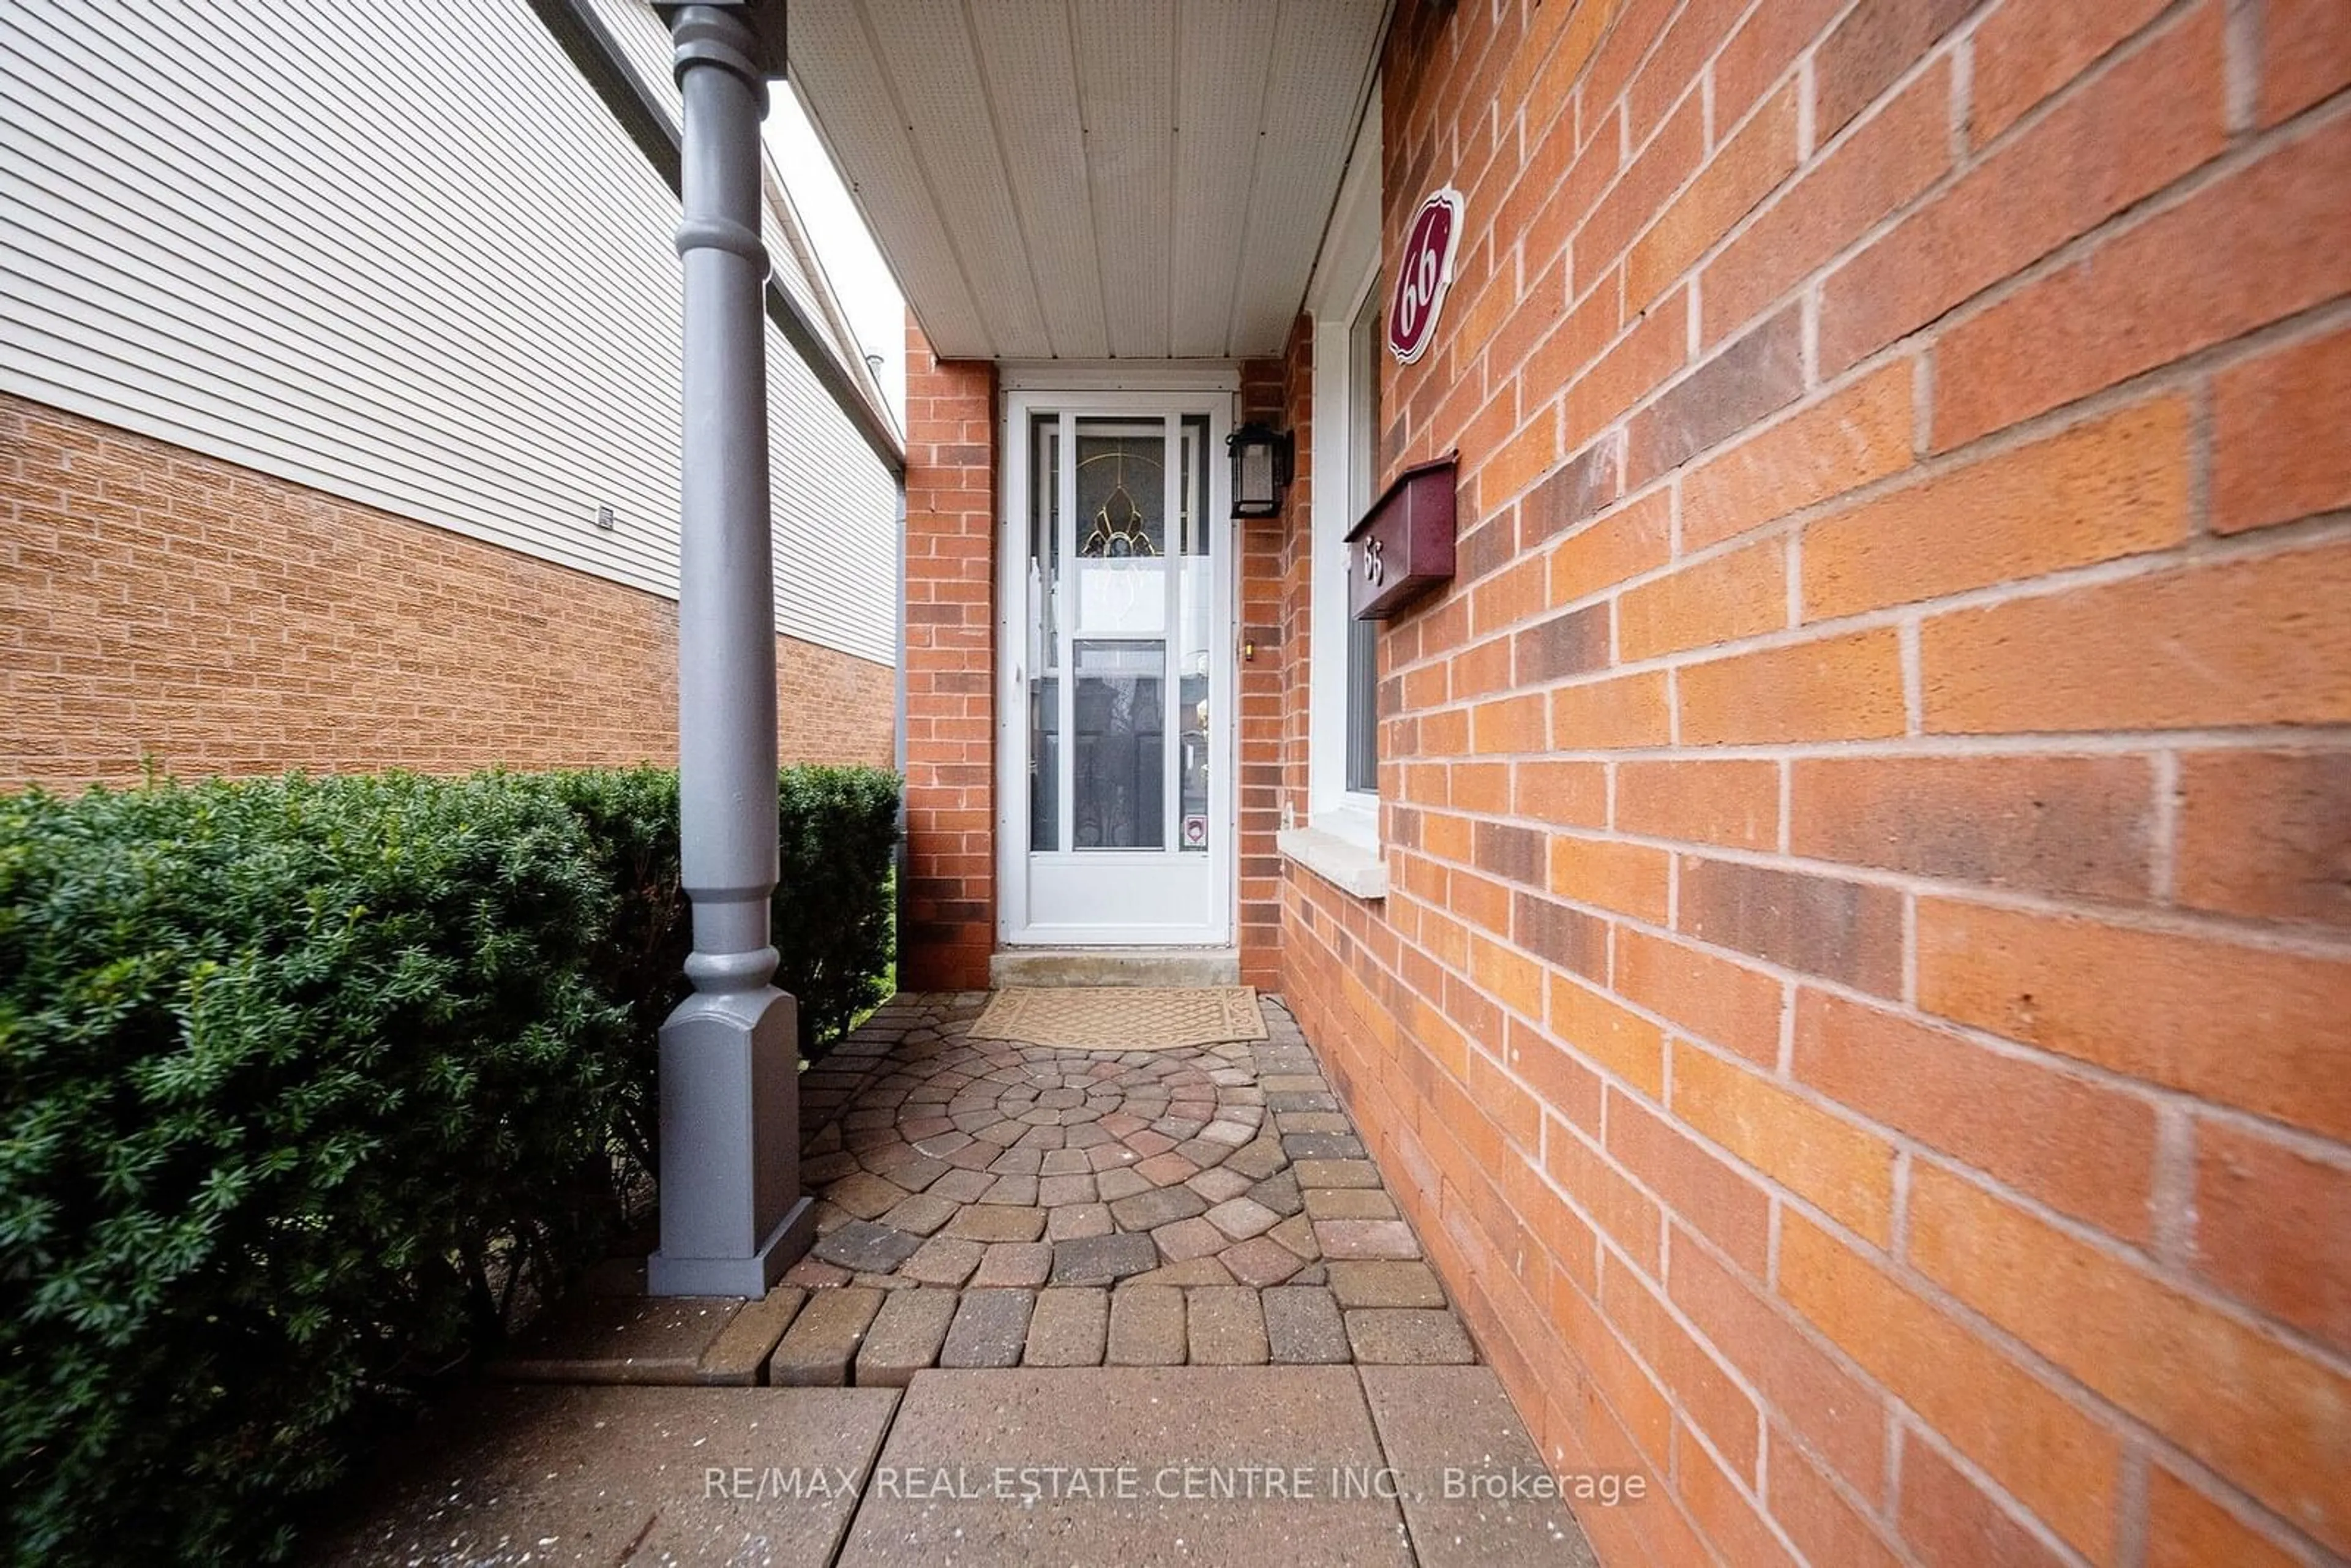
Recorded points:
(1346, 272)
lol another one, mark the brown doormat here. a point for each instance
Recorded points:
(1121, 1018)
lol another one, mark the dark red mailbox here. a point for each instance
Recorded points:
(1403, 545)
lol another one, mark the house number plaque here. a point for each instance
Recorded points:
(1423, 272)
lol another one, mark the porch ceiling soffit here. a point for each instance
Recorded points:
(1093, 179)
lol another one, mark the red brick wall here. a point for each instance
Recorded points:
(1859, 1017)
(1295, 566)
(950, 897)
(1270, 394)
(158, 603)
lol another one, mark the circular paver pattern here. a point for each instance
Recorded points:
(1219, 1192)
(971, 1104)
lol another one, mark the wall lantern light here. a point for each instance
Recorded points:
(1261, 458)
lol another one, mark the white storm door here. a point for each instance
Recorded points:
(1116, 814)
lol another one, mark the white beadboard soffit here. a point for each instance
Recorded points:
(1093, 179)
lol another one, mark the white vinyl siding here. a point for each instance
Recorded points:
(399, 251)
(645, 47)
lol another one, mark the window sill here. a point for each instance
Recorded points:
(1349, 866)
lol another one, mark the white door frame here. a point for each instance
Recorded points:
(1015, 926)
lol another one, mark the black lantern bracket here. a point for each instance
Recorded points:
(1261, 457)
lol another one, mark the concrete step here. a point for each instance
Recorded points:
(1115, 967)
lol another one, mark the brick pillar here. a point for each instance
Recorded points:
(1260, 759)
(950, 896)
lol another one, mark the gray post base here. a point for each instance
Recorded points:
(732, 1216)
(750, 1277)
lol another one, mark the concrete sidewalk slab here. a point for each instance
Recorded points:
(1463, 1453)
(1155, 1433)
(602, 1474)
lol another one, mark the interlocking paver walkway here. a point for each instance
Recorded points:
(1216, 1170)
(1189, 1245)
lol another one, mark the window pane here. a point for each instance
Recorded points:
(1044, 540)
(1120, 747)
(1044, 763)
(1192, 762)
(1196, 609)
(1362, 475)
(1044, 638)
(1198, 526)
(1362, 705)
(1364, 405)
(1122, 527)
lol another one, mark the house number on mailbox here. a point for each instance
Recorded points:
(1404, 545)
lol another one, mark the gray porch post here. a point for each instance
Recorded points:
(732, 1215)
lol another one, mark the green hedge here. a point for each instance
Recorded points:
(301, 1078)
(830, 916)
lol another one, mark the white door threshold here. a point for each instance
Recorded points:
(1114, 966)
